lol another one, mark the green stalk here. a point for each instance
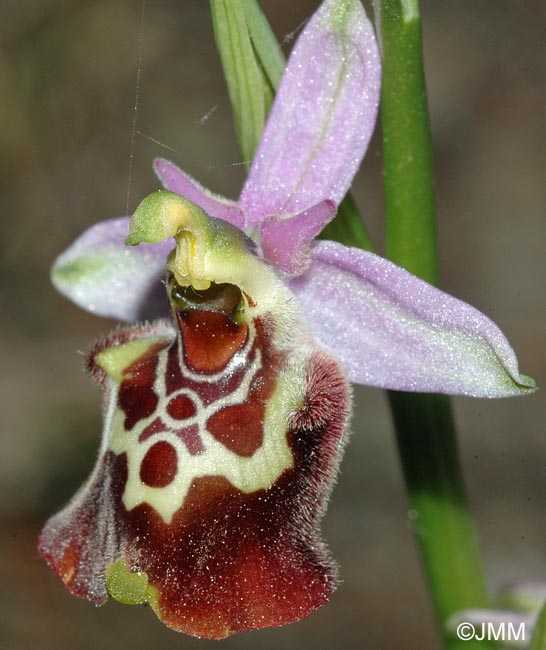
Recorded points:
(538, 642)
(424, 424)
(249, 90)
(266, 46)
(438, 507)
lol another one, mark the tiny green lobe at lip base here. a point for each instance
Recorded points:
(127, 587)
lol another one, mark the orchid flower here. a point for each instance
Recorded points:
(225, 423)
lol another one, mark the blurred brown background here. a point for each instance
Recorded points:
(67, 90)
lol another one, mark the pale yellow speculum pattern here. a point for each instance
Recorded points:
(209, 250)
(248, 474)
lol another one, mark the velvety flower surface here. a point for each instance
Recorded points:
(222, 436)
(224, 424)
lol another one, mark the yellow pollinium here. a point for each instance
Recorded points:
(187, 263)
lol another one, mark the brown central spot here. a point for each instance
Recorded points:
(239, 427)
(159, 465)
(210, 339)
(136, 394)
(181, 408)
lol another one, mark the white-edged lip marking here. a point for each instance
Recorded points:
(248, 474)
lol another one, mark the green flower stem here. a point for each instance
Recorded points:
(268, 50)
(424, 424)
(538, 642)
(407, 152)
(438, 507)
(250, 91)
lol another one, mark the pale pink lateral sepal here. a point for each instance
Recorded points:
(104, 276)
(391, 329)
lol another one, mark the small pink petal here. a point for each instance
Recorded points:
(175, 180)
(322, 118)
(285, 242)
(391, 329)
